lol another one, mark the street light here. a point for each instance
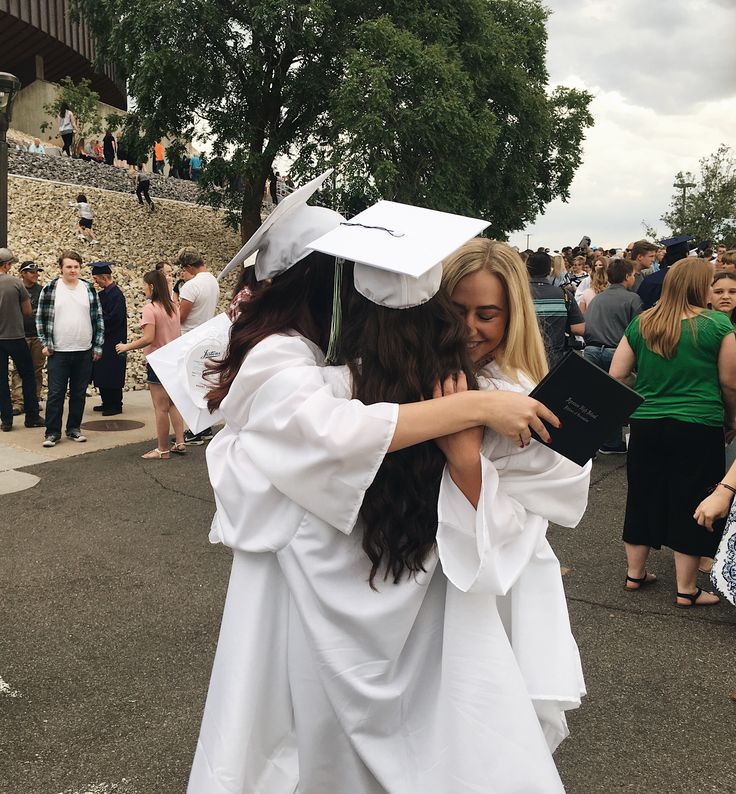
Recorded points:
(9, 87)
(683, 186)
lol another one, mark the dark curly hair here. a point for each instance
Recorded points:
(398, 356)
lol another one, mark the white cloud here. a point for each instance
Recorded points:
(665, 96)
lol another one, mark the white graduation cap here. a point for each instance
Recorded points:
(398, 250)
(282, 238)
(180, 366)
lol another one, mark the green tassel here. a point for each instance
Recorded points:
(336, 325)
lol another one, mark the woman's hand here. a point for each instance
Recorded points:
(515, 416)
(461, 449)
(712, 507)
(121, 347)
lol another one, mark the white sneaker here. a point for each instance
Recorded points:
(81, 237)
(96, 242)
(50, 441)
(75, 435)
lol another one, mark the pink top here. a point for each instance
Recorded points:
(166, 328)
(588, 296)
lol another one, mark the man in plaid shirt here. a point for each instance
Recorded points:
(71, 329)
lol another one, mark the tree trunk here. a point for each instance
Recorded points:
(250, 218)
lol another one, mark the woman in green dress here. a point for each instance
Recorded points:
(685, 358)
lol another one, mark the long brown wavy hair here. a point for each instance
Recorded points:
(397, 356)
(298, 300)
(160, 290)
(684, 292)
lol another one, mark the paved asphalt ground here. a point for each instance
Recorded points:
(110, 605)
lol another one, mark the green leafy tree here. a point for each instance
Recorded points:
(709, 209)
(451, 110)
(82, 101)
(442, 103)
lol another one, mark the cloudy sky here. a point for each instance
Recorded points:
(663, 74)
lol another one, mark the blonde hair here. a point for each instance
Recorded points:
(521, 349)
(685, 289)
(558, 266)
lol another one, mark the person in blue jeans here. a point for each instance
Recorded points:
(71, 330)
(606, 319)
(15, 304)
(196, 167)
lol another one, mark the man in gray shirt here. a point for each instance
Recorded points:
(606, 319)
(642, 256)
(29, 272)
(15, 303)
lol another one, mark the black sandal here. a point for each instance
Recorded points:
(693, 599)
(642, 582)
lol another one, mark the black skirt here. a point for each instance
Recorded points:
(671, 467)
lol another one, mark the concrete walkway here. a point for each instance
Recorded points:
(111, 604)
(22, 447)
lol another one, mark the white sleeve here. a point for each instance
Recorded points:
(189, 290)
(484, 549)
(580, 289)
(545, 483)
(319, 450)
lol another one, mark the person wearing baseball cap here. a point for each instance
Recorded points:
(7, 257)
(29, 271)
(198, 298)
(15, 304)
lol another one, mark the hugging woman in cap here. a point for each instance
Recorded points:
(349, 660)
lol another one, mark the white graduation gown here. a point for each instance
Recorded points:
(321, 685)
(534, 609)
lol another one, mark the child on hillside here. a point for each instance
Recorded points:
(85, 219)
(142, 185)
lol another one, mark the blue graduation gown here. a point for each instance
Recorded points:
(109, 371)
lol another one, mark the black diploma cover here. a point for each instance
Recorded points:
(589, 403)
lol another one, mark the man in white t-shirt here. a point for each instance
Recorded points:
(200, 292)
(198, 298)
(71, 329)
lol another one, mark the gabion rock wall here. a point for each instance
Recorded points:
(41, 225)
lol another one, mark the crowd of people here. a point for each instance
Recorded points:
(77, 328)
(111, 150)
(378, 481)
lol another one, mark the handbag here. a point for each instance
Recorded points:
(723, 573)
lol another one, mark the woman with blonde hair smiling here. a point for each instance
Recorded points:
(488, 283)
(685, 357)
(487, 280)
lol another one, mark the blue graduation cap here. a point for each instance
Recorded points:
(670, 241)
(101, 268)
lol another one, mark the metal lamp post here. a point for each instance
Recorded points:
(683, 186)
(9, 87)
